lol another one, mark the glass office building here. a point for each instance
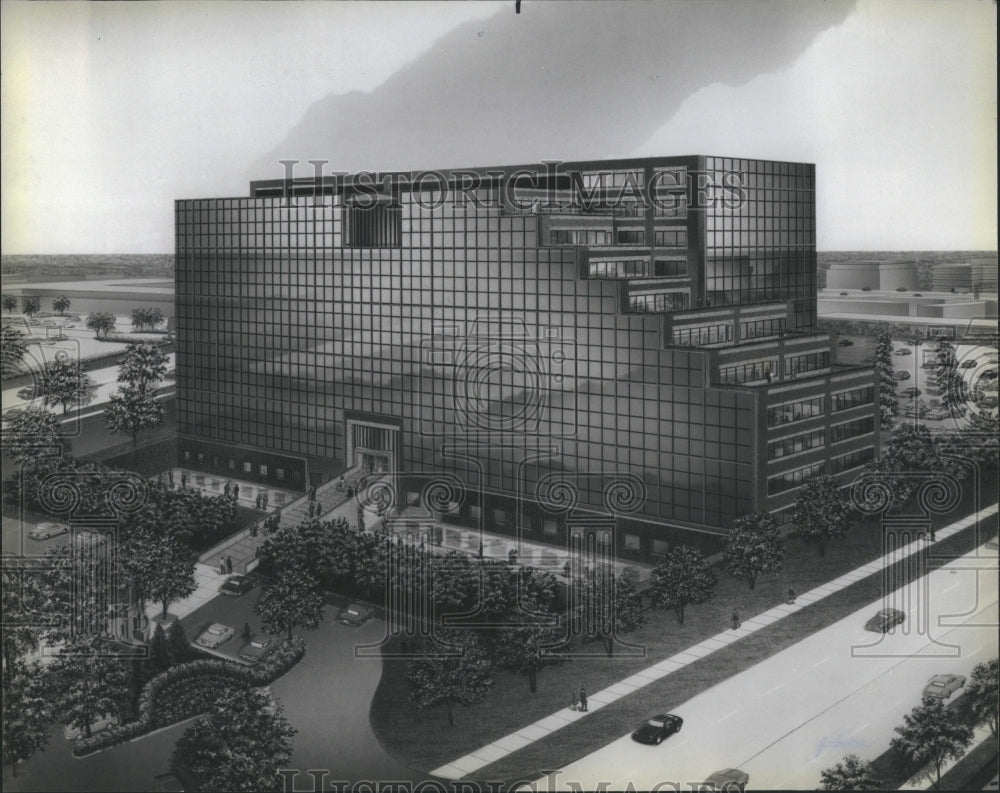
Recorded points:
(630, 338)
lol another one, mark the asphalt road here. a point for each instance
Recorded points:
(841, 690)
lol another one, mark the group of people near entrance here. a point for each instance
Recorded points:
(579, 700)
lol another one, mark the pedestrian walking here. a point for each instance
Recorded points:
(228, 489)
(566, 569)
(253, 529)
(736, 619)
(791, 596)
(236, 492)
(266, 498)
(574, 701)
(184, 480)
(229, 564)
(312, 493)
(246, 631)
(583, 699)
(170, 478)
(222, 567)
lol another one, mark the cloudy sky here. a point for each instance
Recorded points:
(111, 111)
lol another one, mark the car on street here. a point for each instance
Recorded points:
(901, 375)
(47, 530)
(911, 393)
(215, 635)
(845, 343)
(237, 585)
(656, 729)
(885, 620)
(355, 614)
(256, 648)
(969, 363)
(943, 686)
(730, 780)
(903, 351)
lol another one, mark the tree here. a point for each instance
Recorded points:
(62, 383)
(28, 432)
(983, 693)
(852, 774)
(132, 410)
(60, 304)
(931, 734)
(22, 603)
(888, 402)
(160, 564)
(525, 648)
(101, 322)
(27, 715)
(143, 366)
(9, 302)
(146, 318)
(293, 600)
(821, 512)
(456, 674)
(89, 684)
(954, 391)
(679, 579)
(239, 745)
(13, 348)
(754, 547)
(178, 646)
(610, 606)
(30, 306)
(159, 657)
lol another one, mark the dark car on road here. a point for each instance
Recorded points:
(656, 729)
(45, 531)
(943, 686)
(901, 376)
(885, 620)
(845, 343)
(256, 648)
(355, 614)
(731, 780)
(237, 585)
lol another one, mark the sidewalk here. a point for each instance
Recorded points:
(464, 766)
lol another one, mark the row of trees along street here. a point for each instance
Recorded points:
(931, 735)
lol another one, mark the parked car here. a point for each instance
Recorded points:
(885, 620)
(656, 729)
(215, 635)
(901, 376)
(843, 293)
(256, 648)
(943, 686)
(237, 585)
(355, 614)
(911, 393)
(904, 351)
(167, 783)
(845, 343)
(969, 363)
(47, 530)
(731, 780)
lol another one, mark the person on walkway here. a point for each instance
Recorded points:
(246, 631)
(736, 619)
(512, 556)
(229, 564)
(236, 492)
(574, 703)
(583, 699)
(222, 567)
(170, 478)
(567, 569)
(312, 493)
(228, 489)
(791, 596)
(253, 529)
(266, 498)
(184, 480)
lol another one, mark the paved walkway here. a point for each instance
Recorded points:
(207, 579)
(484, 756)
(925, 781)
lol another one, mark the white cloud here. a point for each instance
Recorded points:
(897, 109)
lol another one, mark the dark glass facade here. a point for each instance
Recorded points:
(512, 347)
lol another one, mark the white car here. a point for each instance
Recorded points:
(45, 531)
(215, 635)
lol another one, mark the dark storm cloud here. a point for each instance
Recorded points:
(566, 80)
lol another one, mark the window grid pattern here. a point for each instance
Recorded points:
(855, 397)
(792, 479)
(795, 444)
(852, 429)
(795, 411)
(846, 462)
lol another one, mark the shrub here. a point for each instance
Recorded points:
(191, 688)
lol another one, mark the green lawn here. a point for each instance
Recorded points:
(425, 741)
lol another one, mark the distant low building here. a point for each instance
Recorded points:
(872, 275)
(977, 275)
(119, 296)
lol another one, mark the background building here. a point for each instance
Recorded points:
(872, 275)
(564, 347)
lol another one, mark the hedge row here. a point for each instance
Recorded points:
(190, 689)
